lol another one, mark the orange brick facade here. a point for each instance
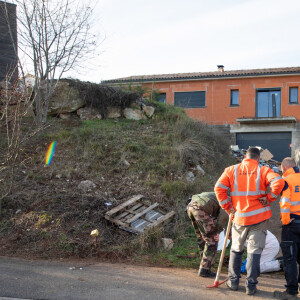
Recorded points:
(218, 92)
(265, 110)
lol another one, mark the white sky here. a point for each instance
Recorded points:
(170, 36)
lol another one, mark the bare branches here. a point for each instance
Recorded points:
(14, 106)
(59, 34)
(55, 36)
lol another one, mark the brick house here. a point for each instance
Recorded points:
(255, 107)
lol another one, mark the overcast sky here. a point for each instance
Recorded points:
(145, 37)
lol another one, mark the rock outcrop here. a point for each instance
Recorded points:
(65, 99)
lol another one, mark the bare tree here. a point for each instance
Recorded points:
(14, 105)
(56, 36)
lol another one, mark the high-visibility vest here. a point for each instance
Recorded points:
(247, 182)
(290, 199)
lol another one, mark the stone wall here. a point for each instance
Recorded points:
(8, 56)
(224, 130)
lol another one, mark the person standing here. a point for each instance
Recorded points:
(208, 220)
(290, 235)
(247, 183)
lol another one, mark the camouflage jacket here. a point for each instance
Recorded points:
(208, 201)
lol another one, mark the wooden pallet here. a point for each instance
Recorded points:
(136, 216)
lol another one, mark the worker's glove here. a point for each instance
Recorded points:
(264, 201)
(230, 211)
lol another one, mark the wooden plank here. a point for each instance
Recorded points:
(130, 211)
(135, 207)
(125, 213)
(142, 213)
(163, 219)
(132, 214)
(123, 205)
(115, 221)
(128, 217)
(140, 209)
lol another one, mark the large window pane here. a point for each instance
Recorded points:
(234, 98)
(262, 104)
(268, 103)
(293, 95)
(190, 99)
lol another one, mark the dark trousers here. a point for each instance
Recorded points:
(290, 246)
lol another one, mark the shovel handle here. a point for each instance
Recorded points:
(224, 248)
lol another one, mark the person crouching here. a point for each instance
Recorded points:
(208, 220)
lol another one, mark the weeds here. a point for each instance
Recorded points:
(158, 154)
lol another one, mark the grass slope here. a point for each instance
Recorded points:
(48, 216)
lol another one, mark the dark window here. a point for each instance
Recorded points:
(234, 98)
(293, 95)
(268, 103)
(162, 98)
(189, 99)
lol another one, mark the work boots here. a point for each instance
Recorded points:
(206, 273)
(232, 286)
(251, 291)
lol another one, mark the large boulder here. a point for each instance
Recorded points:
(65, 116)
(65, 99)
(148, 110)
(88, 113)
(133, 114)
(113, 112)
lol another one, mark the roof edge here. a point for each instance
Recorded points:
(192, 78)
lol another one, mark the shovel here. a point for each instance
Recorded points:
(217, 283)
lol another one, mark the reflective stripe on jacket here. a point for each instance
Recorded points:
(247, 182)
(290, 200)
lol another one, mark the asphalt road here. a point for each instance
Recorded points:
(81, 280)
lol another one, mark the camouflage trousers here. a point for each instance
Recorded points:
(206, 232)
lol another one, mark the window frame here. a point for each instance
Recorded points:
(165, 98)
(231, 98)
(193, 106)
(274, 89)
(296, 88)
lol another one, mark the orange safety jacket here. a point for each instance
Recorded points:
(247, 182)
(290, 199)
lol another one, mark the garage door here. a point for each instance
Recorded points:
(278, 143)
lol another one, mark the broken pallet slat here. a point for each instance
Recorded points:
(142, 213)
(123, 205)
